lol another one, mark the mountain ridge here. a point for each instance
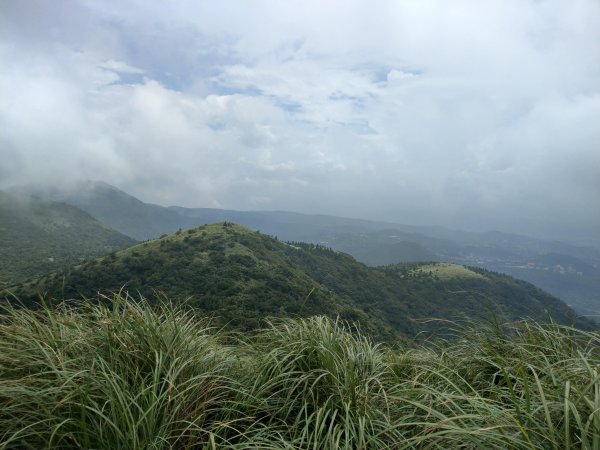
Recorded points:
(371, 242)
(39, 236)
(242, 276)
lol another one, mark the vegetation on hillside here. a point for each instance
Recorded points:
(241, 277)
(569, 272)
(41, 236)
(120, 374)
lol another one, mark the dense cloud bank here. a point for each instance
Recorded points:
(479, 115)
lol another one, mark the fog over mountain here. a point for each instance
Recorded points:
(466, 114)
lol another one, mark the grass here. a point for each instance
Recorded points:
(124, 375)
(447, 271)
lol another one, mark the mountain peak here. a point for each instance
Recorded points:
(241, 276)
(374, 243)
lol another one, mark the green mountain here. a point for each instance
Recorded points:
(241, 276)
(569, 272)
(38, 236)
(117, 209)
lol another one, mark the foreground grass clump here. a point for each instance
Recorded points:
(124, 375)
(97, 376)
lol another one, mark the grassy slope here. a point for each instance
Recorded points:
(41, 236)
(409, 295)
(130, 377)
(242, 277)
(238, 275)
(373, 243)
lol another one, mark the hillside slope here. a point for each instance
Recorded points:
(41, 236)
(116, 208)
(570, 272)
(241, 276)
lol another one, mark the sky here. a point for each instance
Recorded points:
(465, 114)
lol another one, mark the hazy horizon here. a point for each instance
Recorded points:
(78, 187)
(470, 115)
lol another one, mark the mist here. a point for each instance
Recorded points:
(471, 115)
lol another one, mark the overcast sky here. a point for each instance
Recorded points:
(474, 114)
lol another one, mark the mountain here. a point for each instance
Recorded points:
(573, 275)
(117, 209)
(39, 236)
(569, 272)
(241, 276)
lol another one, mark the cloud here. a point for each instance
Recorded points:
(472, 115)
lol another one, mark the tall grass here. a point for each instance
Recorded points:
(124, 375)
(108, 376)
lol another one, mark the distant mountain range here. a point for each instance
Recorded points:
(240, 277)
(38, 236)
(569, 272)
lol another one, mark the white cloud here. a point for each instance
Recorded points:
(120, 66)
(466, 114)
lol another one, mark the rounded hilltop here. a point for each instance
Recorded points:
(240, 277)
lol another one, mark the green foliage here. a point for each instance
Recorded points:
(241, 277)
(41, 236)
(570, 272)
(120, 374)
